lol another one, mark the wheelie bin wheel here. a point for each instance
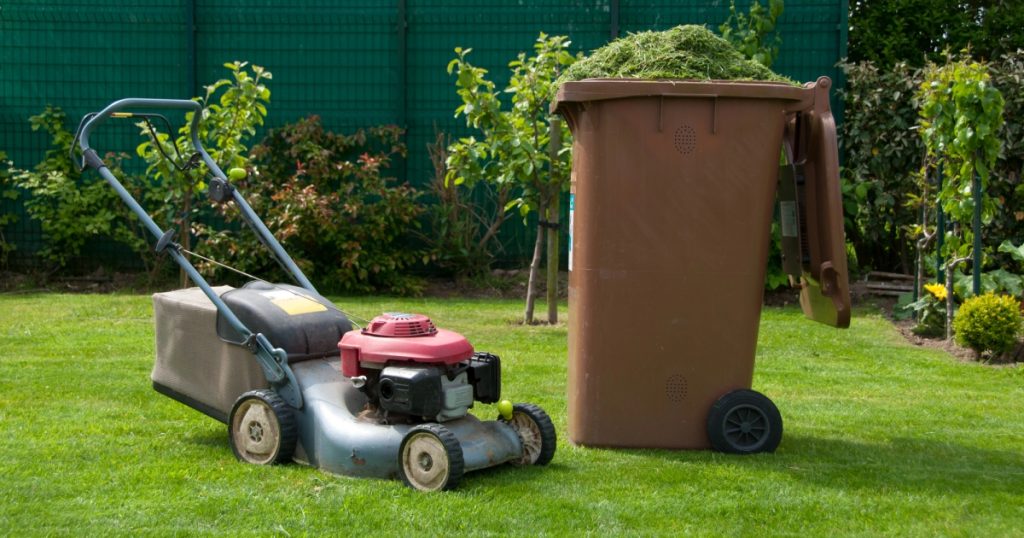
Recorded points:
(744, 422)
(430, 458)
(536, 432)
(262, 428)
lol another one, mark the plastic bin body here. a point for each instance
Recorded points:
(672, 200)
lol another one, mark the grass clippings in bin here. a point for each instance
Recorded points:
(688, 52)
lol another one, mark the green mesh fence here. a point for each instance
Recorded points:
(354, 63)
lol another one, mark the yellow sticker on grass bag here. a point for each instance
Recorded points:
(292, 303)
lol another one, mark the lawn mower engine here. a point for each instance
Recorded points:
(412, 371)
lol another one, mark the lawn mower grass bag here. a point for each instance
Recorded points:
(202, 362)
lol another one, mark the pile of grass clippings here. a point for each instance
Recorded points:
(687, 52)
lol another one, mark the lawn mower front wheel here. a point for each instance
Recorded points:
(430, 458)
(262, 428)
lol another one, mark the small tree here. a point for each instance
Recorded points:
(229, 118)
(754, 34)
(961, 114)
(515, 146)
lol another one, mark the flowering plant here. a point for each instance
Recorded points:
(930, 310)
(937, 290)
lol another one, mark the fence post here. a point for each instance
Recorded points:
(613, 23)
(940, 224)
(976, 255)
(190, 51)
(402, 97)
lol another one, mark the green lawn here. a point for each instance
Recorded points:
(882, 438)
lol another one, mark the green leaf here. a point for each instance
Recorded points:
(1016, 252)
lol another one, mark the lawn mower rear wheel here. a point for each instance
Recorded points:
(536, 432)
(262, 428)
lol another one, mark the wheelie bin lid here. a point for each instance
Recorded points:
(588, 90)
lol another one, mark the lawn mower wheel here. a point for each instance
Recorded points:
(262, 428)
(430, 458)
(536, 432)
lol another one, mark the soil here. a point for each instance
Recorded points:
(962, 354)
(98, 281)
(905, 327)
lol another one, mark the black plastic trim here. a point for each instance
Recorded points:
(191, 402)
(93, 160)
(167, 239)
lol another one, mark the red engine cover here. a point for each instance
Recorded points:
(401, 338)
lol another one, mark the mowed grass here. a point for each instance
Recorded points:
(882, 438)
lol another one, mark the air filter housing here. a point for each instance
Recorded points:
(400, 325)
(394, 338)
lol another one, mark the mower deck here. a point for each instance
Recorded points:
(337, 436)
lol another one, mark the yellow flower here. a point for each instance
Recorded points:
(938, 290)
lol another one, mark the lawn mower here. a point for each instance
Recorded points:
(284, 368)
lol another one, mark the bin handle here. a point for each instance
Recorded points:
(825, 292)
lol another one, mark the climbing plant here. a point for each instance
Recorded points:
(961, 115)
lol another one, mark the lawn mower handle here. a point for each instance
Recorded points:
(272, 360)
(93, 160)
(136, 103)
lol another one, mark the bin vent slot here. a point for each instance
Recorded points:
(675, 388)
(685, 139)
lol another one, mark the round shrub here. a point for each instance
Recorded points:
(988, 323)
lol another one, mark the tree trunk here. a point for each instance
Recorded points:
(949, 293)
(949, 301)
(531, 285)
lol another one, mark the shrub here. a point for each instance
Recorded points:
(988, 323)
(464, 222)
(326, 198)
(7, 192)
(880, 191)
(72, 208)
(882, 155)
(890, 31)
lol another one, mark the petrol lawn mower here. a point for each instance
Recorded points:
(284, 368)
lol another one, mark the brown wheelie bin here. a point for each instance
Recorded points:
(673, 191)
